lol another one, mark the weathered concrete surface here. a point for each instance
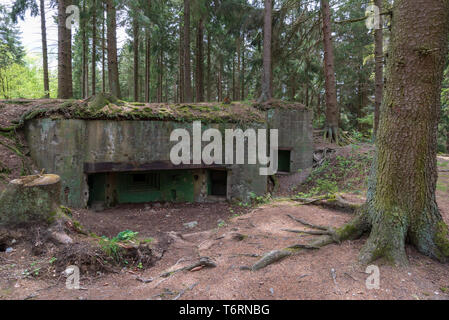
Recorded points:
(68, 146)
(64, 146)
(295, 134)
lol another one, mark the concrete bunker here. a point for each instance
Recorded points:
(105, 162)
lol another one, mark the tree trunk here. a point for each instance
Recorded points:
(147, 66)
(148, 56)
(136, 58)
(379, 61)
(65, 90)
(233, 78)
(94, 46)
(208, 76)
(238, 75)
(401, 197)
(181, 63)
(266, 72)
(242, 76)
(84, 69)
(103, 54)
(220, 80)
(187, 72)
(160, 77)
(199, 62)
(332, 112)
(113, 75)
(44, 49)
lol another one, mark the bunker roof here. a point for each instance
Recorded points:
(14, 113)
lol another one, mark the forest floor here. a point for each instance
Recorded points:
(234, 237)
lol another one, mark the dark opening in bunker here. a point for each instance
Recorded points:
(218, 182)
(284, 160)
(107, 189)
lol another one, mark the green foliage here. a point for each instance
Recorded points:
(257, 200)
(111, 246)
(443, 126)
(25, 80)
(340, 173)
(126, 235)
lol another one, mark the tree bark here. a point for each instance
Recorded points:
(44, 49)
(200, 62)
(379, 61)
(113, 75)
(65, 89)
(147, 66)
(220, 79)
(332, 112)
(187, 72)
(181, 63)
(242, 76)
(84, 69)
(103, 53)
(238, 74)
(148, 56)
(94, 46)
(136, 58)
(266, 72)
(208, 76)
(401, 202)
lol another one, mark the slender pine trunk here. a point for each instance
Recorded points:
(44, 50)
(136, 58)
(94, 47)
(113, 75)
(332, 112)
(65, 88)
(187, 72)
(266, 84)
(208, 77)
(199, 62)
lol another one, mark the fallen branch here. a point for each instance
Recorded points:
(203, 262)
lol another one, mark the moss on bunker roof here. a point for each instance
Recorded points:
(107, 107)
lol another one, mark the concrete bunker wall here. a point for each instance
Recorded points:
(75, 149)
(295, 137)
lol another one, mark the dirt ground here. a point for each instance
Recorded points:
(153, 219)
(234, 247)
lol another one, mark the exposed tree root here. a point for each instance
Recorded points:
(352, 230)
(184, 291)
(333, 201)
(307, 224)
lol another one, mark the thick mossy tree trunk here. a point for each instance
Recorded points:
(31, 199)
(401, 204)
